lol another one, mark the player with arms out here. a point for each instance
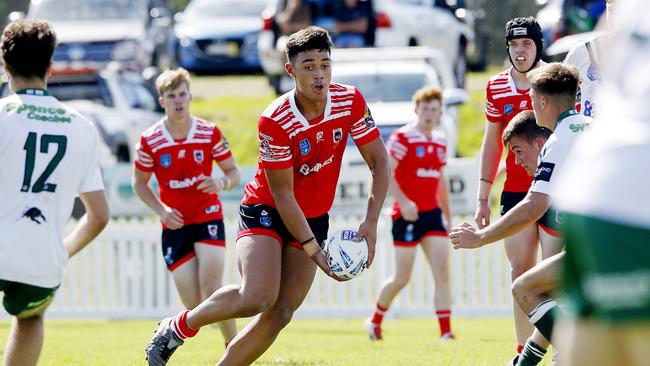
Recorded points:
(507, 94)
(284, 213)
(417, 159)
(49, 156)
(180, 150)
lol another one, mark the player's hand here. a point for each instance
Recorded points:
(210, 186)
(172, 218)
(368, 231)
(409, 210)
(482, 214)
(319, 256)
(465, 236)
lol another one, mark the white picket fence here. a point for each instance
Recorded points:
(122, 275)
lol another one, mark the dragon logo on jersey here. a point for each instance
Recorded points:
(166, 160)
(337, 135)
(305, 147)
(34, 214)
(370, 123)
(507, 109)
(198, 156)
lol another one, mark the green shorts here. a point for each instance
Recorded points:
(606, 274)
(20, 297)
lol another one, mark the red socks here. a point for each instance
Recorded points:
(444, 319)
(181, 328)
(378, 316)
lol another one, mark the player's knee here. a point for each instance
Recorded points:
(401, 281)
(282, 315)
(520, 292)
(254, 304)
(517, 268)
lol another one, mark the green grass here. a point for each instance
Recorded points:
(335, 342)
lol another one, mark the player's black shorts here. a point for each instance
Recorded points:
(259, 219)
(409, 233)
(178, 245)
(510, 200)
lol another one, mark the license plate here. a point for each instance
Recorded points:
(223, 49)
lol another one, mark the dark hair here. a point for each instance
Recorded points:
(525, 27)
(27, 47)
(310, 38)
(556, 80)
(525, 125)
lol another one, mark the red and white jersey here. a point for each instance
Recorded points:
(503, 101)
(179, 166)
(420, 161)
(313, 149)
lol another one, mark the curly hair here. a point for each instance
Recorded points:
(27, 47)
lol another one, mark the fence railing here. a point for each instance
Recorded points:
(122, 275)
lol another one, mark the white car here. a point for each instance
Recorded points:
(398, 23)
(388, 78)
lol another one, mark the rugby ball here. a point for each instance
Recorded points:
(346, 258)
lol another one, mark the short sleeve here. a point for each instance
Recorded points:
(492, 112)
(275, 145)
(362, 128)
(396, 146)
(143, 156)
(220, 147)
(546, 169)
(92, 177)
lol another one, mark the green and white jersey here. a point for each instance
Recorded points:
(585, 56)
(49, 155)
(556, 149)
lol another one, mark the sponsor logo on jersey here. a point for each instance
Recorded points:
(427, 173)
(213, 230)
(181, 154)
(40, 113)
(198, 156)
(185, 183)
(319, 136)
(507, 109)
(166, 160)
(592, 72)
(544, 171)
(306, 170)
(265, 219)
(523, 104)
(419, 151)
(212, 209)
(578, 127)
(337, 135)
(367, 117)
(305, 147)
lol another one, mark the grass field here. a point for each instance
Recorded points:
(331, 342)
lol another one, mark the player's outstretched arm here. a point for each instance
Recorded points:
(90, 224)
(525, 213)
(374, 153)
(490, 155)
(281, 186)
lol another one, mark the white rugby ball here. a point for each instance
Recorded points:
(345, 257)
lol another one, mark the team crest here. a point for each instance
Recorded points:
(165, 160)
(265, 219)
(367, 117)
(592, 72)
(523, 104)
(419, 151)
(441, 154)
(198, 156)
(213, 230)
(305, 147)
(507, 109)
(319, 136)
(337, 135)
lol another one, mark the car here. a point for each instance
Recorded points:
(118, 101)
(398, 23)
(388, 78)
(219, 35)
(135, 33)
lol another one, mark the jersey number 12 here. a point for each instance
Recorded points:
(40, 185)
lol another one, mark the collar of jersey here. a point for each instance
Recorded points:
(565, 114)
(32, 91)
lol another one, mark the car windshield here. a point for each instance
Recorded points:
(79, 90)
(225, 8)
(385, 87)
(87, 9)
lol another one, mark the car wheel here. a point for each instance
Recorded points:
(460, 67)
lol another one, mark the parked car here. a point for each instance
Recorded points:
(388, 78)
(135, 33)
(398, 23)
(219, 35)
(117, 101)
